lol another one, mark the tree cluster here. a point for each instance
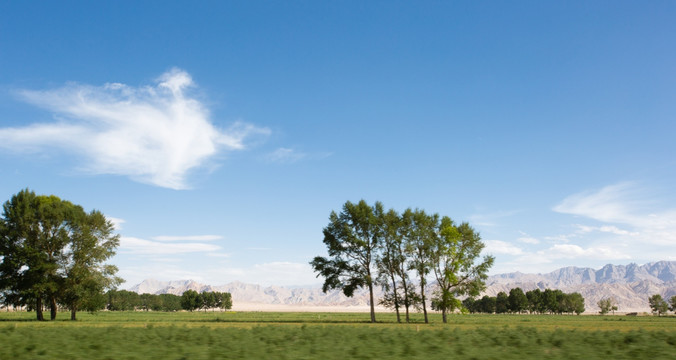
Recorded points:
(123, 300)
(534, 301)
(368, 246)
(660, 306)
(192, 300)
(607, 305)
(53, 253)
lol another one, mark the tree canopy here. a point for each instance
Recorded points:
(364, 241)
(52, 251)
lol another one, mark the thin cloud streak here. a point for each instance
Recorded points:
(151, 134)
(624, 204)
(188, 238)
(132, 245)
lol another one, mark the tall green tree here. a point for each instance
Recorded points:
(224, 300)
(53, 252)
(190, 300)
(87, 274)
(35, 232)
(535, 301)
(352, 239)
(518, 301)
(391, 262)
(657, 304)
(419, 233)
(672, 303)
(501, 303)
(453, 258)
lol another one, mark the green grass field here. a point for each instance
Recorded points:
(261, 335)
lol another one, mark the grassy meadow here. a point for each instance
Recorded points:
(263, 335)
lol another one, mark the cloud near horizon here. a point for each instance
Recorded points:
(151, 134)
(626, 204)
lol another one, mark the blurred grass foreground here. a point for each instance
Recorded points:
(258, 335)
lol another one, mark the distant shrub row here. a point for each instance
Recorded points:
(534, 301)
(123, 300)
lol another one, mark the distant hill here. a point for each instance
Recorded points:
(630, 285)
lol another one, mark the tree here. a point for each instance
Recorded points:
(190, 300)
(673, 303)
(657, 304)
(550, 299)
(518, 301)
(390, 264)
(352, 238)
(34, 232)
(573, 302)
(471, 305)
(535, 301)
(419, 232)
(123, 300)
(501, 303)
(487, 304)
(52, 251)
(87, 276)
(453, 254)
(207, 300)
(224, 300)
(170, 302)
(606, 305)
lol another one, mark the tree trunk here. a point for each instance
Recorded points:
(422, 295)
(373, 309)
(443, 315)
(406, 301)
(52, 306)
(72, 313)
(396, 298)
(38, 308)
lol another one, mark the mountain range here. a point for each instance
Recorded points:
(630, 286)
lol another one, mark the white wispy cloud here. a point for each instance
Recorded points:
(117, 222)
(626, 204)
(571, 251)
(605, 229)
(152, 134)
(501, 247)
(132, 245)
(187, 238)
(285, 155)
(527, 239)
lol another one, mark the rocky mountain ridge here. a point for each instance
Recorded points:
(630, 285)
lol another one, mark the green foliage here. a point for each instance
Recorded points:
(190, 300)
(352, 238)
(672, 302)
(607, 305)
(658, 305)
(518, 301)
(535, 301)
(52, 252)
(453, 258)
(362, 236)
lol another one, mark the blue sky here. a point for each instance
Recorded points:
(220, 135)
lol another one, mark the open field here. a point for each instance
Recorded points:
(240, 335)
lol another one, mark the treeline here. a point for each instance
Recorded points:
(401, 252)
(191, 300)
(53, 253)
(534, 302)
